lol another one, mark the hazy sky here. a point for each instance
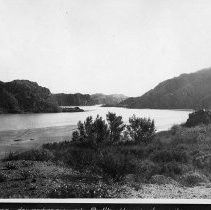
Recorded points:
(108, 46)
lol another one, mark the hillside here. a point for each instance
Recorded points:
(77, 99)
(22, 96)
(100, 98)
(187, 91)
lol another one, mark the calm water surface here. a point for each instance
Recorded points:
(164, 119)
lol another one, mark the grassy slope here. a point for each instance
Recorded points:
(177, 164)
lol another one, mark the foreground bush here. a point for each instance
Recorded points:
(79, 158)
(173, 169)
(10, 166)
(166, 156)
(193, 178)
(141, 129)
(98, 132)
(183, 135)
(3, 177)
(92, 133)
(161, 179)
(115, 164)
(116, 126)
(145, 169)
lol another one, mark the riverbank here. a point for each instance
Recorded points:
(176, 164)
(168, 164)
(24, 139)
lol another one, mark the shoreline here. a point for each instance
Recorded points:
(24, 139)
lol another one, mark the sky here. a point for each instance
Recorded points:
(103, 46)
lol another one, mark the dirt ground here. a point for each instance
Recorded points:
(33, 179)
(167, 192)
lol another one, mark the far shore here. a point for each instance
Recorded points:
(21, 140)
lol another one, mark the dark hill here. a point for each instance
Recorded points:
(22, 96)
(187, 91)
(77, 99)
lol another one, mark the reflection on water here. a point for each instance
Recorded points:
(164, 119)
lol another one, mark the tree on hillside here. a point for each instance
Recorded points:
(116, 126)
(141, 129)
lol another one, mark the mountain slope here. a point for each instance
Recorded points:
(187, 91)
(100, 98)
(20, 96)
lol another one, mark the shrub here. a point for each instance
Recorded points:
(115, 164)
(3, 177)
(154, 146)
(92, 133)
(141, 129)
(80, 190)
(10, 165)
(75, 136)
(161, 179)
(116, 126)
(9, 157)
(101, 130)
(202, 160)
(26, 174)
(175, 129)
(57, 145)
(173, 168)
(165, 156)
(25, 163)
(145, 169)
(193, 178)
(34, 154)
(79, 157)
(189, 135)
(137, 150)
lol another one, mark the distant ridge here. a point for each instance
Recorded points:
(100, 98)
(24, 96)
(187, 91)
(79, 99)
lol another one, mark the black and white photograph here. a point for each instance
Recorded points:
(105, 99)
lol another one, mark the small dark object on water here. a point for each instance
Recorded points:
(32, 139)
(17, 139)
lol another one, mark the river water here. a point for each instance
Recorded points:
(164, 119)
